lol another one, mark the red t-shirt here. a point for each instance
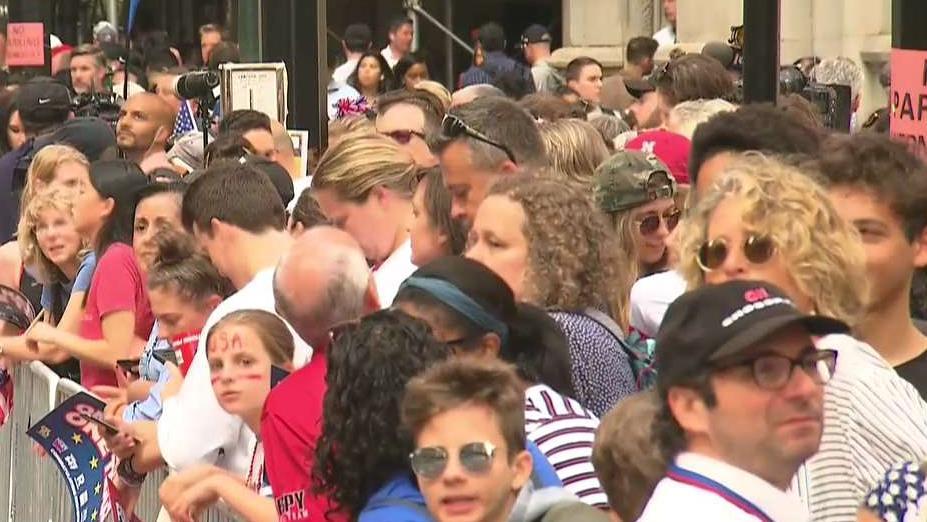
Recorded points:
(117, 286)
(291, 424)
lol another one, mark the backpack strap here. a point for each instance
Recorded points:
(606, 322)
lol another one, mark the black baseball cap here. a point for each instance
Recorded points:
(43, 100)
(535, 34)
(719, 321)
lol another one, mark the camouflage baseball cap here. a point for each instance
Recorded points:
(630, 179)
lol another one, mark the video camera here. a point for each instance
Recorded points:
(105, 106)
(196, 85)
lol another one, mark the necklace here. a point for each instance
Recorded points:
(254, 482)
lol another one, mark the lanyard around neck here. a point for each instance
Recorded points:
(704, 483)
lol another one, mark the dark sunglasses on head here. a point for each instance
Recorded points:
(403, 137)
(758, 249)
(453, 127)
(650, 223)
(773, 371)
(430, 463)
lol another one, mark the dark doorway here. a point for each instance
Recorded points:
(513, 15)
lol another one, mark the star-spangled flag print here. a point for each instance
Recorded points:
(185, 122)
(81, 456)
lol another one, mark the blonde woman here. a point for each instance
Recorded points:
(546, 240)
(53, 166)
(763, 220)
(63, 266)
(574, 148)
(364, 185)
(637, 194)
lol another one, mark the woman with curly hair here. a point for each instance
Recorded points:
(50, 243)
(764, 220)
(549, 243)
(362, 457)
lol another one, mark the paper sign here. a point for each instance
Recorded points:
(909, 98)
(300, 139)
(25, 44)
(80, 453)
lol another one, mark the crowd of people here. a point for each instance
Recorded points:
(548, 295)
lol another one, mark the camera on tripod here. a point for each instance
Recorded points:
(196, 85)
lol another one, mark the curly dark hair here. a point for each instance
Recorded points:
(361, 446)
(762, 127)
(572, 252)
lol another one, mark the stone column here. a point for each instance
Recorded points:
(594, 28)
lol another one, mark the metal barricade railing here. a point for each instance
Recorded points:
(31, 488)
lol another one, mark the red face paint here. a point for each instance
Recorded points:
(253, 376)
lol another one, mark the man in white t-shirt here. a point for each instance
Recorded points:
(237, 216)
(667, 35)
(357, 39)
(401, 31)
(741, 388)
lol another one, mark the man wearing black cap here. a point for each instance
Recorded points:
(535, 43)
(741, 385)
(44, 105)
(357, 39)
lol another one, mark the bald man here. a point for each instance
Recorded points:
(145, 124)
(321, 282)
(283, 144)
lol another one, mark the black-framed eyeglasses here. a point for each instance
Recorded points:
(650, 223)
(403, 136)
(453, 127)
(758, 249)
(773, 371)
(430, 462)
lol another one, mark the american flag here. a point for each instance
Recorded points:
(185, 122)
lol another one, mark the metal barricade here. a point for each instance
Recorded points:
(31, 488)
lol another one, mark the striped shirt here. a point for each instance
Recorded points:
(873, 419)
(565, 431)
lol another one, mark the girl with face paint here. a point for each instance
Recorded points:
(242, 349)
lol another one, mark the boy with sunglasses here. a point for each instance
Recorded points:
(741, 386)
(466, 418)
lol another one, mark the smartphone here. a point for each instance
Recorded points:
(164, 356)
(105, 426)
(277, 374)
(130, 366)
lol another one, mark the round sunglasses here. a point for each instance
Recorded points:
(650, 223)
(758, 249)
(430, 462)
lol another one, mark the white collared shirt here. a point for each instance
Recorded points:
(391, 58)
(193, 428)
(392, 272)
(344, 70)
(665, 36)
(673, 501)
